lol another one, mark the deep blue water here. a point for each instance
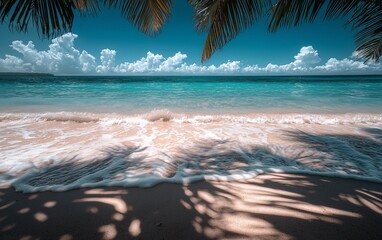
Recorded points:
(301, 94)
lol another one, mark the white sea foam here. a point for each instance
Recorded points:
(61, 151)
(166, 115)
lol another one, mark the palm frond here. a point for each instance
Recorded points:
(366, 21)
(364, 16)
(224, 19)
(86, 6)
(51, 18)
(287, 13)
(147, 15)
(340, 8)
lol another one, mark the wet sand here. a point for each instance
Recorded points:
(272, 206)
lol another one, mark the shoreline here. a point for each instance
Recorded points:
(181, 112)
(64, 152)
(270, 206)
(187, 117)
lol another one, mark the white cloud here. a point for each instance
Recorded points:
(152, 63)
(107, 61)
(12, 63)
(142, 65)
(228, 67)
(171, 63)
(343, 65)
(156, 63)
(87, 61)
(304, 61)
(307, 57)
(307, 60)
(63, 58)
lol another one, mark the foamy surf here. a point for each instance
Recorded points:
(164, 115)
(62, 151)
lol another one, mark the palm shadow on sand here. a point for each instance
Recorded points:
(273, 206)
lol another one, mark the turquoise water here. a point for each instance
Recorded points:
(60, 133)
(318, 94)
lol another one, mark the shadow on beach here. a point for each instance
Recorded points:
(271, 206)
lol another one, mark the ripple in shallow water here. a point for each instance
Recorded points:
(356, 156)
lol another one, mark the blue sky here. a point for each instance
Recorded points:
(253, 47)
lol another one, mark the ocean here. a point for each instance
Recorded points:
(60, 133)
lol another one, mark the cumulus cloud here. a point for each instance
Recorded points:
(345, 65)
(12, 63)
(152, 63)
(228, 67)
(63, 57)
(107, 61)
(307, 60)
(304, 61)
(87, 62)
(307, 57)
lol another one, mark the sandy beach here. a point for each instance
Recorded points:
(108, 134)
(271, 206)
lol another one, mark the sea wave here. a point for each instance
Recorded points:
(66, 150)
(211, 161)
(165, 115)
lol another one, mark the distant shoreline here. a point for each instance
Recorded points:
(18, 74)
(33, 74)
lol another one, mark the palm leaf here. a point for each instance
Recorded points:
(147, 15)
(366, 21)
(365, 18)
(224, 19)
(86, 7)
(286, 13)
(50, 17)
